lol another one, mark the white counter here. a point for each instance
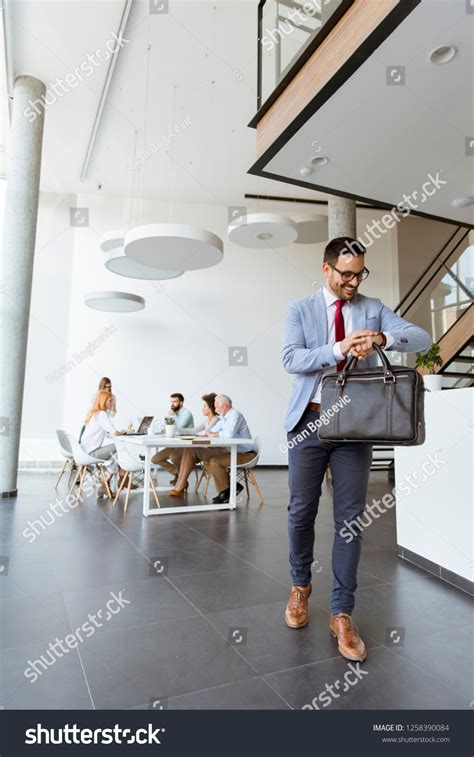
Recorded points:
(434, 484)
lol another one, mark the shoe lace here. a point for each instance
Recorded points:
(349, 623)
(297, 598)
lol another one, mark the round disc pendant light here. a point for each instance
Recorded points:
(114, 302)
(173, 247)
(263, 231)
(119, 263)
(111, 240)
(311, 228)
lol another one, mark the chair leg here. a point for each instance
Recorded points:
(60, 475)
(199, 479)
(208, 478)
(76, 479)
(71, 471)
(152, 484)
(128, 492)
(246, 483)
(83, 475)
(254, 482)
(105, 480)
(124, 478)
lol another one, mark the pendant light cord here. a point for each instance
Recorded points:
(145, 127)
(173, 115)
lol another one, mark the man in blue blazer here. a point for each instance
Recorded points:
(320, 332)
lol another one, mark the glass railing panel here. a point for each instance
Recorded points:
(442, 305)
(452, 382)
(287, 28)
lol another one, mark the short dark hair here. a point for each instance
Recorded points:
(178, 395)
(210, 400)
(339, 245)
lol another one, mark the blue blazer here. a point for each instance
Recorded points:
(306, 352)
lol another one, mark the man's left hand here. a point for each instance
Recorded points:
(365, 346)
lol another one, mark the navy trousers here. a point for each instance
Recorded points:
(308, 458)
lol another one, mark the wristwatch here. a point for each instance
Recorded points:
(384, 339)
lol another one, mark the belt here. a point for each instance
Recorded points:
(314, 406)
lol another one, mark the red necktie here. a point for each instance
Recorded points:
(339, 329)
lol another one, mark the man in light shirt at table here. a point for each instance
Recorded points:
(169, 458)
(231, 425)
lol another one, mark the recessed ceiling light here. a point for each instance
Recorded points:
(443, 54)
(319, 160)
(306, 171)
(264, 236)
(462, 202)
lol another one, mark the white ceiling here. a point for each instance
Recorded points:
(383, 141)
(203, 52)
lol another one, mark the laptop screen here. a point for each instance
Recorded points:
(145, 424)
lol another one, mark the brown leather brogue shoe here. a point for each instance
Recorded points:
(296, 613)
(350, 645)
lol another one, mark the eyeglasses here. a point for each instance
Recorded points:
(349, 275)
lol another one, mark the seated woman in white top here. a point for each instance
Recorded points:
(188, 456)
(105, 385)
(98, 424)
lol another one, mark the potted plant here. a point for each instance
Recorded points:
(428, 360)
(170, 424)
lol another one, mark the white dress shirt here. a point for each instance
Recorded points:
(233, 425)
(96, 430)
(330, 299)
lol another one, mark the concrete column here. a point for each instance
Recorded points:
(16, 266)
(342, 217)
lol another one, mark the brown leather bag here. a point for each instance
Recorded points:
(381, 405)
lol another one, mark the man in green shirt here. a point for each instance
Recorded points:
(170, 458)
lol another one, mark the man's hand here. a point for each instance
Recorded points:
(212, 433)
(354, 338)
(362, 343)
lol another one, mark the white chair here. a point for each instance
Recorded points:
(129, 461)
(245, 471)
(85, 463)
(66, 452)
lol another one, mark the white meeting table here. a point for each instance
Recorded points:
(155, 442)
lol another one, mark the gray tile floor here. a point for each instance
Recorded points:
(208, 631)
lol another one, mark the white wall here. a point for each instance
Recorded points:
(436, 520)
(180, 341)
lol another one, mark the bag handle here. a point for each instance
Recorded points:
(388, 373)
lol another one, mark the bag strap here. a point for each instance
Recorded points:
(388, 373)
